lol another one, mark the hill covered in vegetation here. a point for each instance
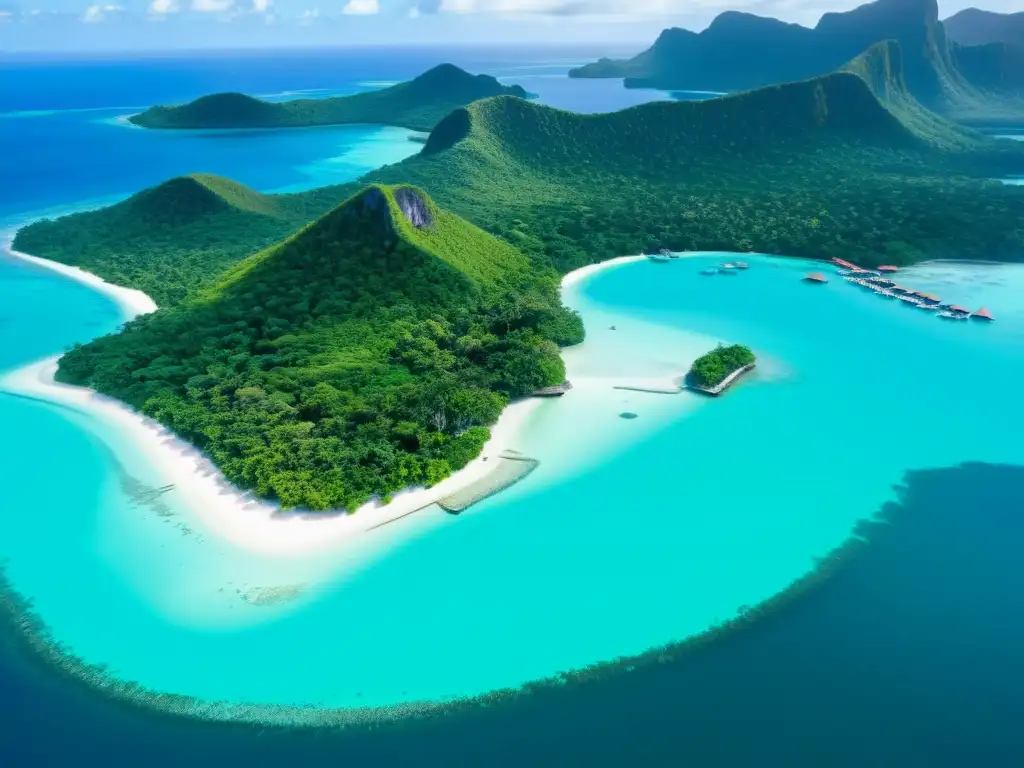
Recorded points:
(847, 165)
(172, 239)
(417, 104)
(367, 353)
(817, 168)
(739, 51)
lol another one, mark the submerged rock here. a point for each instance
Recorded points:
(627, 415)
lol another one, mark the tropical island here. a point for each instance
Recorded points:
(971, 83)
(418, 104)
(713, 372)
(370, 350)
(365, 354)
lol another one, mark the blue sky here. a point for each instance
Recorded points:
(166, 24)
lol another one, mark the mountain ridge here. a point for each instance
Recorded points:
(974, 26)
(721, 58)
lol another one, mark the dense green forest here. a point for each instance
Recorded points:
(711, 369)
(175, 238)
(846, 165)
(365, 354)
(418, 104)
(370, 350)
(828, 171)
(739, 51)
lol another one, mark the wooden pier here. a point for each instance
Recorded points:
(509, 468)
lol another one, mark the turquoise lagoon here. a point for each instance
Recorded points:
(631, 534)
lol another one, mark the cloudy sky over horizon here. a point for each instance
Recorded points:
(68, 25)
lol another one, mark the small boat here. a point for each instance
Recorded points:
(657, 257)
(709, 271)
(727, 269)
(742, 265)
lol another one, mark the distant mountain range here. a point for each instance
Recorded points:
(417, 104)
(740, 51)
(973, 26)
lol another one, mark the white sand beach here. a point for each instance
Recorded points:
(233, 515)
(132, 302)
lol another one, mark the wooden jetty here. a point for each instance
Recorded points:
(719, 388)
(509, 468)
(556, 391)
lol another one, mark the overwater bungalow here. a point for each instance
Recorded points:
(844, 264)
(948, 315)
(926, 305)
(815, 277)
(888, 268)
(929, 298)
(983, 314)
(959, 310)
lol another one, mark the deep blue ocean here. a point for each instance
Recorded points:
(908, 655)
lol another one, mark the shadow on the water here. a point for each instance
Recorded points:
(906, 654)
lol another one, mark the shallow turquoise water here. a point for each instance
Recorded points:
(630, 534)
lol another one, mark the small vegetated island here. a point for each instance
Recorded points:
(418, 104)
(714, 372)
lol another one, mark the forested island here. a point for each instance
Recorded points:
(715, 370)
(979, 84)
(369, 351)
(417, 104)
(363, 355)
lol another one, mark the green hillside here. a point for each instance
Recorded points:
(417, 104)
(174, 238)
(819, 168)
(364, 354)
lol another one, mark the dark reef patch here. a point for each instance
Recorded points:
(901, 649)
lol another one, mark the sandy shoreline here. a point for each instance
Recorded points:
(132, 302)
(232, 514)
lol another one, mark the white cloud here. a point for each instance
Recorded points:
(361, 7)
(414, 12)
(164, 7)
(309, 16)
(260, 6)
(212, 6)
(97, 13)
(5, 15)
